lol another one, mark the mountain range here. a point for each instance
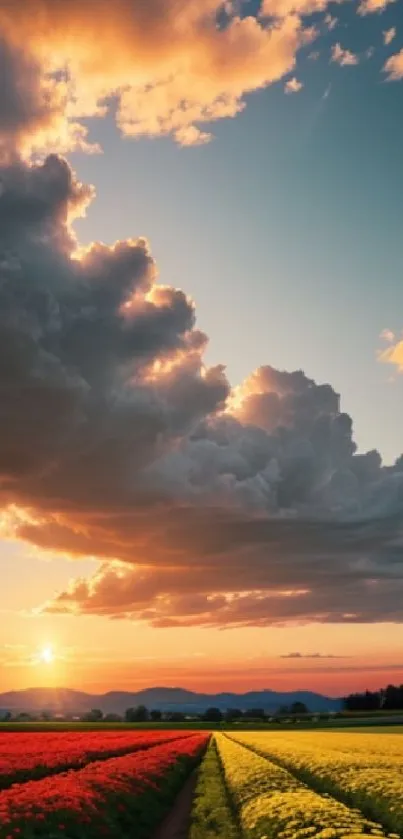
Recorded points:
(67, 701)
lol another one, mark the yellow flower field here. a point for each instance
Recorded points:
(272, 803)
(361, 770)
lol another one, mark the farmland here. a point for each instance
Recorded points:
(243, 784)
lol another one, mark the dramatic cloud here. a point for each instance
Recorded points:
(173, 65)
(293, 85)
(225, 507)
(207, 505)
(343, 57)
(389, 35)
(394, 66)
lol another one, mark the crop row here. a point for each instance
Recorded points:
(108, 798)
(212, 814)
(273, 804)
(29, 756)
(364, 779)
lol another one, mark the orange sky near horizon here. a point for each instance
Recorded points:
(94, 654)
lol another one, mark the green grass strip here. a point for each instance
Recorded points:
(212, 816)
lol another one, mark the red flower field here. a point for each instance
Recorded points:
(25, 756)
(105, 797)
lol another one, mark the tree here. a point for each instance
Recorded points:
(212, 715)
(138, 714)
(95, 715)
(175, 716)
(298, 708)
(156, 715)
(283, 711)
(233, 714)
(112, 718)
(255, 714)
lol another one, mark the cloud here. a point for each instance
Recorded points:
(330, 22)
(312, 655)
(283, 8)
(343, 57)
(293, 85)
(32, 106)
(367, 7)
(173, 65)
(389, 35)
(393, 354)
(394, 67)
(205, 504)
(387, 335)
(223, 507)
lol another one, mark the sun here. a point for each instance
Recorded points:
(46, 655)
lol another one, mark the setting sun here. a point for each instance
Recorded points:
(47, 655)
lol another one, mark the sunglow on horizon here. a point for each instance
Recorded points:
(47, 655)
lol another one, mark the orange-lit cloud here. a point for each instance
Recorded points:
(283, 8)
(389, 35)
(171, 68)
(293, 85)
(343, 57)
(393, 354)
(394, 66)
(367, 7)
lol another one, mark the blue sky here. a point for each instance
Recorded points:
(286, 228)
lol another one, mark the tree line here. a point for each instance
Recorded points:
(386, 699)
(141, 714)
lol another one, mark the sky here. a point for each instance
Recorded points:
(201, 344)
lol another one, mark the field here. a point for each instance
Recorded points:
(200, 785)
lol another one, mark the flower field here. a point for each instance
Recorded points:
(105, 798)
(272, 802)
(249, 785)
(363, 770)
(35, 755)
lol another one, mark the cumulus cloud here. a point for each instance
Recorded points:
(293, 85)
(32, 106)
(173, 65)
(343, 57)
(208, 505)
(389, 35)
(394, 67)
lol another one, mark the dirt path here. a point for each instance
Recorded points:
(175, 825)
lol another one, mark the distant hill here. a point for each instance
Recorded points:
(65, 701)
